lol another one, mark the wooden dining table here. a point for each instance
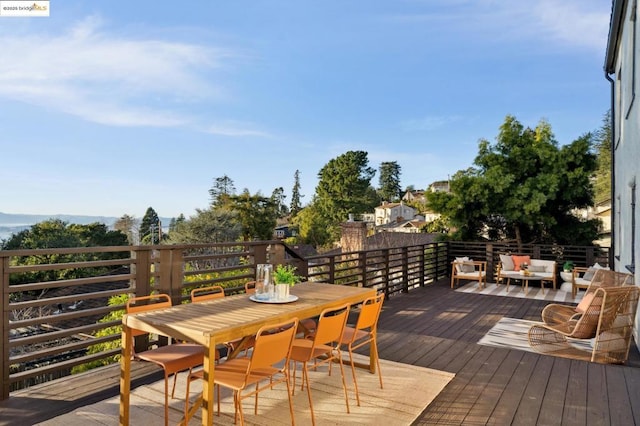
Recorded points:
(223, 320)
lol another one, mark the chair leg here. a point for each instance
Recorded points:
(305, 376)
(166, 398)
(353, 373)
(344, 382)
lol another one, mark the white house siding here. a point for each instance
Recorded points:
(389, 213)
(623, 65)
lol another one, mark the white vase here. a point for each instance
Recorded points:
(282, 292)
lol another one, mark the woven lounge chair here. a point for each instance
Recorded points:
(554, 313)
(608, 319)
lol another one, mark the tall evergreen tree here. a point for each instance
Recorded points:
(602, 140)
(344, 187)
(278, 197)
(295, 206)
(389, 181)
(150, 227)
(222, 189)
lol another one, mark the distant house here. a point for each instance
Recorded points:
(414, 196)
(285, 231)
(440, 186)
(408, 226)
(393, 213)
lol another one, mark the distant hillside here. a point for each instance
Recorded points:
(9, 219)
(14, 223)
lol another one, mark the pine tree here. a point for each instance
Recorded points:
(389, 181)
(295, 195)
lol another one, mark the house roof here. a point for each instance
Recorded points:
(617, 9)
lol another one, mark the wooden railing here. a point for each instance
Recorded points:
(61, 310)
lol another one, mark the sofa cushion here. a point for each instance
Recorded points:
(537, 268)
(519, 260)
(507, 262)
(462, 268)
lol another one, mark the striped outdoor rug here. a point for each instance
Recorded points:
(515, 290)
(512, 333)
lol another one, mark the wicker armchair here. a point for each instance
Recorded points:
(608, 318)
(554, 313)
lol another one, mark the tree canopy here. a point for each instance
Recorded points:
(344, 187)
(523, 187)
(150, 227)
(389, 181)
(295, 206)
(207, 226)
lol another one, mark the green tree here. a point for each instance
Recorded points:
(207, 226)
(602, 140)
(278, 197)
(295, 206)
(55, 233)
(128, 225)
(222, 189)
(389, 181)
(312, 226)
(257, 215)
(523, 187)
(345, 187)
(150, 227)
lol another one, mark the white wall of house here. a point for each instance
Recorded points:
(623, 65)
(390, 212)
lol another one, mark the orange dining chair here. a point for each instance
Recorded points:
(206, 293)
(362, 333)
(250, 287)
(217, 292)
(265, 367)
(323, 346)
(172, 358)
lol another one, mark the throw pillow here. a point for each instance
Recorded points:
(584, 303)
(464, 268)
(537, 268)
(507, 262)
(459, 265)
(519, 260)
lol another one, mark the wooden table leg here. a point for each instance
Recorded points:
(125, 375)
(208, 385)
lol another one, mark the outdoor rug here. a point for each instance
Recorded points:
(515, 290)
(407, 391)
(512, 333)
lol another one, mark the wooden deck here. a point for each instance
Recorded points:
(439, 328)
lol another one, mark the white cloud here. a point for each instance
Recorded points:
(235, 128)
(569, 23)
(107, 78)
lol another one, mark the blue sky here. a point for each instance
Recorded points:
(112, 107)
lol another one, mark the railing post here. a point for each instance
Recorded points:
(142, 276)
(4, 333)
(163, 274)
(332, 270)
(177, 275)
(489, 258)
(259, 254)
